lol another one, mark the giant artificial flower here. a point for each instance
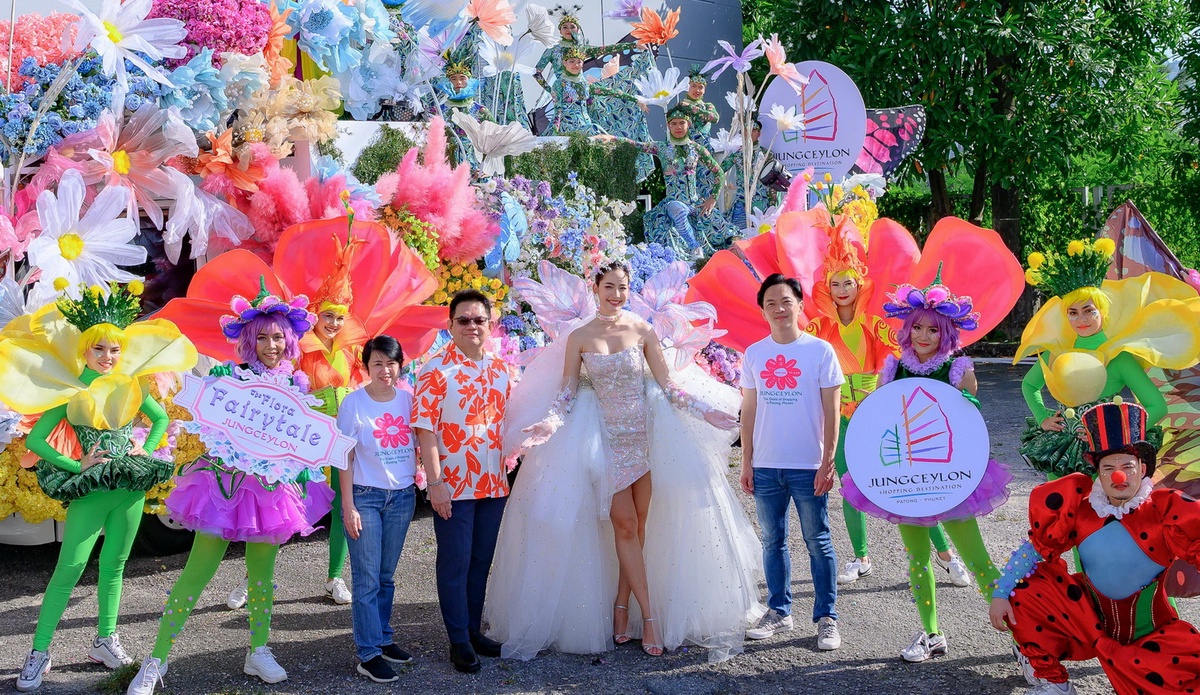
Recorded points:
(132, 153)
(498, 58)
(658, 88)
(655, 30)
(121, 32)
(308, 108)
(777, 57)
(626, 10)
(541, 27)
(221, 160)
(84, 249)
(973, 260)
(760, 222)
(327, 32)
(201, 215)
(493, 142)
(434, 15)
(724, 142)
(371, 81)
(273, 50)
(746, 102)
(495, 18)
(739, 62)
(199, 92)
(786, 118)
(242, 76)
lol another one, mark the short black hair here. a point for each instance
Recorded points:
(780, 279)
(386, 344)
(757, 125)
(468, 296)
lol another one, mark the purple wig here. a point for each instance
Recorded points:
(948, 342)
(247, 340)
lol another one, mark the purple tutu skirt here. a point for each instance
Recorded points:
(210, 498)
(991, 494)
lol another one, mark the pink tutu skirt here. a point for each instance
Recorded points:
(991, 494)
(230, 504)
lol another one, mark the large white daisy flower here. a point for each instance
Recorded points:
(121, 32)
(498, 58)
(73, 249)
(659, 88)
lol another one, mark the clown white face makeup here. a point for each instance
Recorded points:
(1128, 470)
(1085, 318)
(103, 356)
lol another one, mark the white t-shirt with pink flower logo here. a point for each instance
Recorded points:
(788, 378)
(384, 443)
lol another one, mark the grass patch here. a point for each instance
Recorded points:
(118, 680)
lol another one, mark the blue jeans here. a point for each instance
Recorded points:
(774, 488)
(466, 543)
(373, 557)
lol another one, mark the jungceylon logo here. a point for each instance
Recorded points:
(923, 434)
(780, 373)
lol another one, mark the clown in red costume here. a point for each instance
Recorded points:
(1116, 610)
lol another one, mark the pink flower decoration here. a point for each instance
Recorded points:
(392, 432)
(780, 373)
(234, 26)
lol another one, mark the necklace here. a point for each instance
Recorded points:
(608, 319)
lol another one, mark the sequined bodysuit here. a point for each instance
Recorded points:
(620, 384)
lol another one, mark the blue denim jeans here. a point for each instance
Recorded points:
(774, 489)
(373, 557)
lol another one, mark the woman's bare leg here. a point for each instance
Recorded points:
(630, 507)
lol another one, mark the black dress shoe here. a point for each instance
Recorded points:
(484, 646)
(464, 659)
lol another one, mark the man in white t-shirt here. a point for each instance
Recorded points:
(790, 388)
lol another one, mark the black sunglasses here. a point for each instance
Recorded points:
(471, 320)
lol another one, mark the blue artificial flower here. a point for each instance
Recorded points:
(199, 93)
(328, 32)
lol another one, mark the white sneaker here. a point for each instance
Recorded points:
(855, 570)
(239, 595)
(337, 591)
(959, 576)
(261, 662)
(828, 637)
(37, 664)
(924, 647)
(148, 677)
(769, 624)
(108, 651)
(1026, 668)
(1054, 689)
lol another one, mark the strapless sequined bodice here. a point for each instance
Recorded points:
(620, 384)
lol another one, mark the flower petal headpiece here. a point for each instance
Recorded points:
(1083, 265)
(244, 310)
(937, 297)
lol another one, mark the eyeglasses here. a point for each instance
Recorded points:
(465, 321)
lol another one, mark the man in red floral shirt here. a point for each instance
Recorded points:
(459, 405)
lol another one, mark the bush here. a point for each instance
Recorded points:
(384, 153)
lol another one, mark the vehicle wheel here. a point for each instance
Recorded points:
(160, 535)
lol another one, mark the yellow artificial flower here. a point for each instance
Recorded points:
(1032, 277)
(1075, 248)
(1036, 260)
(1105, 246)
(136, 288)
(440, 297)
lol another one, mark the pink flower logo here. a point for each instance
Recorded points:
(780, 373)
(392, 432)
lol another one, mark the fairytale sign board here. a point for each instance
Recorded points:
(916, 448)
(834, 117)
(262, 427)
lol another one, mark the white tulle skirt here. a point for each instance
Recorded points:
(554, 577)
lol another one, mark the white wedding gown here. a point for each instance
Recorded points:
(554, 577)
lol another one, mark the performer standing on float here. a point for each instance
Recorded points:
(862, 342)
(223, 503)
(734, 165)
(704, 116)
(83, 362)
(682, 220)
(572, 38)
(573, 95)
(460, 92)
(1116, 609)
(1094, 337)
(929, 339)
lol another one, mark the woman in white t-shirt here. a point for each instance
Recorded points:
(378, 501)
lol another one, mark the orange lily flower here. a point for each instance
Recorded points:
(654, 30)
(273, 51)
(221, 161)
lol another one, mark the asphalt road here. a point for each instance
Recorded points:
(312, 638)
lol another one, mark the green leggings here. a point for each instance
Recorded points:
(118, 513)
(207, 553)
(337, 536)
(856, 521)
(968, 542)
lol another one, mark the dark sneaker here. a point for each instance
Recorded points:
(378, 670)
(396, 655)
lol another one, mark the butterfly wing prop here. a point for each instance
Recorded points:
(558, 300)
(892, 135)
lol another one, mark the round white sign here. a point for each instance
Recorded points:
(917, 448)
(834, 117)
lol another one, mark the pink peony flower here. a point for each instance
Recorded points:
(236, 26)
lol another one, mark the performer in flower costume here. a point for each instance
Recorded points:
(460, 91)
(704, 115)
(929, 339)
(84, 362)
(622, 118)
(329, 357)
(572, 39)
(683, 220)
(1116, 609)
(222, 502)
(1094, 337)
(574, 95)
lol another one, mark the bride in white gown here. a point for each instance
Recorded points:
(600, 426)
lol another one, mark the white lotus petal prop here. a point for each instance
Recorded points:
(493, 142)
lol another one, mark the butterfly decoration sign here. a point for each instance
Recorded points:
(916, 448)
(828, 136)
